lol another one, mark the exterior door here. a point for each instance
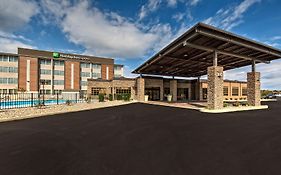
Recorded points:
(153, 93)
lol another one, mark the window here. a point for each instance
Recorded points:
(225, 90)
(57, 91)
(83, 83)
(45, 61)
(96, 75)
(4, 58)
(45, 71)
(117, 68)
(58, 72)
(85, 65)
(85, 74)
(45, 82)
(58, 63)
(244, 91)
(97, 91)
(123, 90)
(8, 69)
(58, 82)
(96, 66)
(205, 93)
(235, 91)
(13, 59)
(8, 81)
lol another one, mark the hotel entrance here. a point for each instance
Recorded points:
(153, 93)
(182, 94)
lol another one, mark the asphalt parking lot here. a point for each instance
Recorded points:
(143, 139)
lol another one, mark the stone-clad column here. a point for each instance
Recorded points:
(215, 87)
(253, 88)
(140, 88)
(173, 89)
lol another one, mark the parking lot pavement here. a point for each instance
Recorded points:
(144, 139)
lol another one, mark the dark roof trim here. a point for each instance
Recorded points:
(205, 30)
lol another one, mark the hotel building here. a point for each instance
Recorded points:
(29, 70)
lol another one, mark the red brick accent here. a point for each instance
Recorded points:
(67, 78)
(34, 73)
(110, 71)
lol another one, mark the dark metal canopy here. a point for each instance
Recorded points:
(192, 53)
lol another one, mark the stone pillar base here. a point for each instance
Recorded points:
(215, 87)
(173, 89)
(140, 89)
(253, 89)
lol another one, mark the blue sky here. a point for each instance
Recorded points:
(132, 30)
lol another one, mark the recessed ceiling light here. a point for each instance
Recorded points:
(185, 55)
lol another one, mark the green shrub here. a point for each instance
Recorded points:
(119, 96)
(126, 97)
(225, 104)
(110, 97)
(101, 97)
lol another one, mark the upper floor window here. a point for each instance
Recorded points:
(85, 65)
(45, 61)
(58, 63)
(8, 81)
(96, 75)
(96, 67)
(5, 58)
(85, 74)
(45, 71)
(58, 72)
(8, 69)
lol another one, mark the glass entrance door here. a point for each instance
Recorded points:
(182, 94)
(153, 93)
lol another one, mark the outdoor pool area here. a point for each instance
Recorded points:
(32, 103)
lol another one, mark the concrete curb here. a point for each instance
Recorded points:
(234, 109)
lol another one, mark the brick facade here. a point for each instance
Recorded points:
(34, 73)
(110, 71)
(68, 75)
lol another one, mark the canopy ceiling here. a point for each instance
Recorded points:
(192, 53)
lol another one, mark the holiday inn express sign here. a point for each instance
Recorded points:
(60, 55)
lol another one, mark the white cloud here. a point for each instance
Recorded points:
(276, 38)
(179, 17)
(108, 34)
(172, 3)
(11, 45)
(231, 17)
(16, 13)
(151, 6)
(194, 2)
(270, 74)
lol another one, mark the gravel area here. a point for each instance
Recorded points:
(31, 112)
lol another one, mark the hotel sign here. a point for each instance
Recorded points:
(61, 55)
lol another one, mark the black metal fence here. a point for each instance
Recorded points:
(22, 100)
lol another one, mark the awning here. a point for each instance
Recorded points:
(192, 53)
